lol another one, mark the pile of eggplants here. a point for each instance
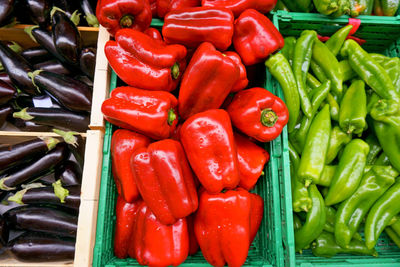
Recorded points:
(38, 11)
(48, 86)
(40, 187)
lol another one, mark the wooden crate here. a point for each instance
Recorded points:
(89, 198)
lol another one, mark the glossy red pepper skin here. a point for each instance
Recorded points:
(124, 224)
(208, 79)
(118, 14)
(255, 37)
(154, 33)
(151, 113)
(238, 6)
(207, 138)
(226, 224)
(193, 244)
(123, 144)
(195, 25)
(146, 63)
(165, 6)
(251, 159)
(165, 180)
(153, 7)
(156, 244)
(242, 82)
(258, 113)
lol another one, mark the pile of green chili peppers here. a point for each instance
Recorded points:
(344, 142)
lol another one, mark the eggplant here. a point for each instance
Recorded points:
(36, 54)
(69, 174)
(4, 231)
(14, 47)
(39, 11)
(69, 7)
(7, 92)
(70, 93)
(39, 247)
(17, 154)
(6, 9)
(85, 79)
(90, 16)
(49, 179)
(66, 36)
(5, 112)
(35, 168)
(42, 219)
(17, 69)
(76, 144)
(5, 78)
(88, 61)
(52, 65)
(68, 196)
(56, 117)
(28, 126)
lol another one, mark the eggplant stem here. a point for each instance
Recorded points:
(68, 137)
(60, 191)
(75, 17)
(92, 20)
(32, 75)
(17, 197)
(23, 114)
(54, 10)
(5, 187)
(50, 142)
(29, 30)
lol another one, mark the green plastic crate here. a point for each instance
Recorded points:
(382, 35)
(266, 250)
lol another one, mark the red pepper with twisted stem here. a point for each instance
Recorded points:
(165, 180)
(143, 62)
(258, 113)
(226, 224)
(153, 243)
(118, 14)
(123, 144)
(207, 138)
(208, 79)
(242, 82)
(255, 37)
(152, 113)
(192, 26)
(251, 159)
(165, 6)
(238, 6)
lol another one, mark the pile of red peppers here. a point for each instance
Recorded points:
(192, 121)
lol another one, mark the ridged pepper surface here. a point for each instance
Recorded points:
(238, 6)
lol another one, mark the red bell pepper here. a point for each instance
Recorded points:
(192, 26)
(208, 79)
(238, 6)
(157, 244)
(193, 244)
(146, 63)
(258, 113)
(124, 224)
(255, 37)
(153, 7)
(226, 224)
(165, 6)
(207, 138)
(123, 144)
(165, 180)
(117, 14)
(251, 159)
(152, 113)
(154, 33)
(242, 82)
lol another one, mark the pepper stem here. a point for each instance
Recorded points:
(60, 191)
(171, 116)
(23, 114)
(175, 71)
(126, 21)
(68, 137)
(307, 183)
(268, 117)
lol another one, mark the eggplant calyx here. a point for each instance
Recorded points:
(50, 142)
(75, 17)
(16, 47)
(54, 10)
(60, 191)
(17, 197)
(5, 187)
(32, 75)
(29, 30)
(92, 20)
(68, 137)
(23, 114)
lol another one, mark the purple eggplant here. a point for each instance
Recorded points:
(76, 144)
(6, 9)
(5, 78)
(88, 61)
(17, 69)
(14, 47)
(90, 15)
(35, 168)
(6, 92)
(36, 54)
(5, 112)
(52, 65)
(85, 79)
(39, 247)
(28, 126)
(70, 93)
(56, 117)
(4, 231)
(69, 173)
(39, 11)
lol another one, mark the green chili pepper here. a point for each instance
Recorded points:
(334, 106)
(336, 142)
(353, 109)
(374, 149)
(386, 7)
(326, 7)
(393, 235)
(299, 5)
(344, 8)
(352, 211)
(347, 71)
(325, 246)
(386, 122)
(288, 48)
(312, 160)
(384, 209)
(382, 160)
(327, 175)
(330, 219)
(348, 173)
(281, 6)
(281, 70)
(318, 71)
(301, 64)
(372, 100)
(296, 222)
(315, 220)
(336, 41)
(369, 70)
(392, 67)
(312, 81)
(379, 58)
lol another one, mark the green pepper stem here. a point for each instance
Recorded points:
(126, 21)
(268, 117)
(175, 71)
(23, 114)
(171, 116)
(307, 183)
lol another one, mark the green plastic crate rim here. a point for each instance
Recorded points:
(266, 250)
(382, 35)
